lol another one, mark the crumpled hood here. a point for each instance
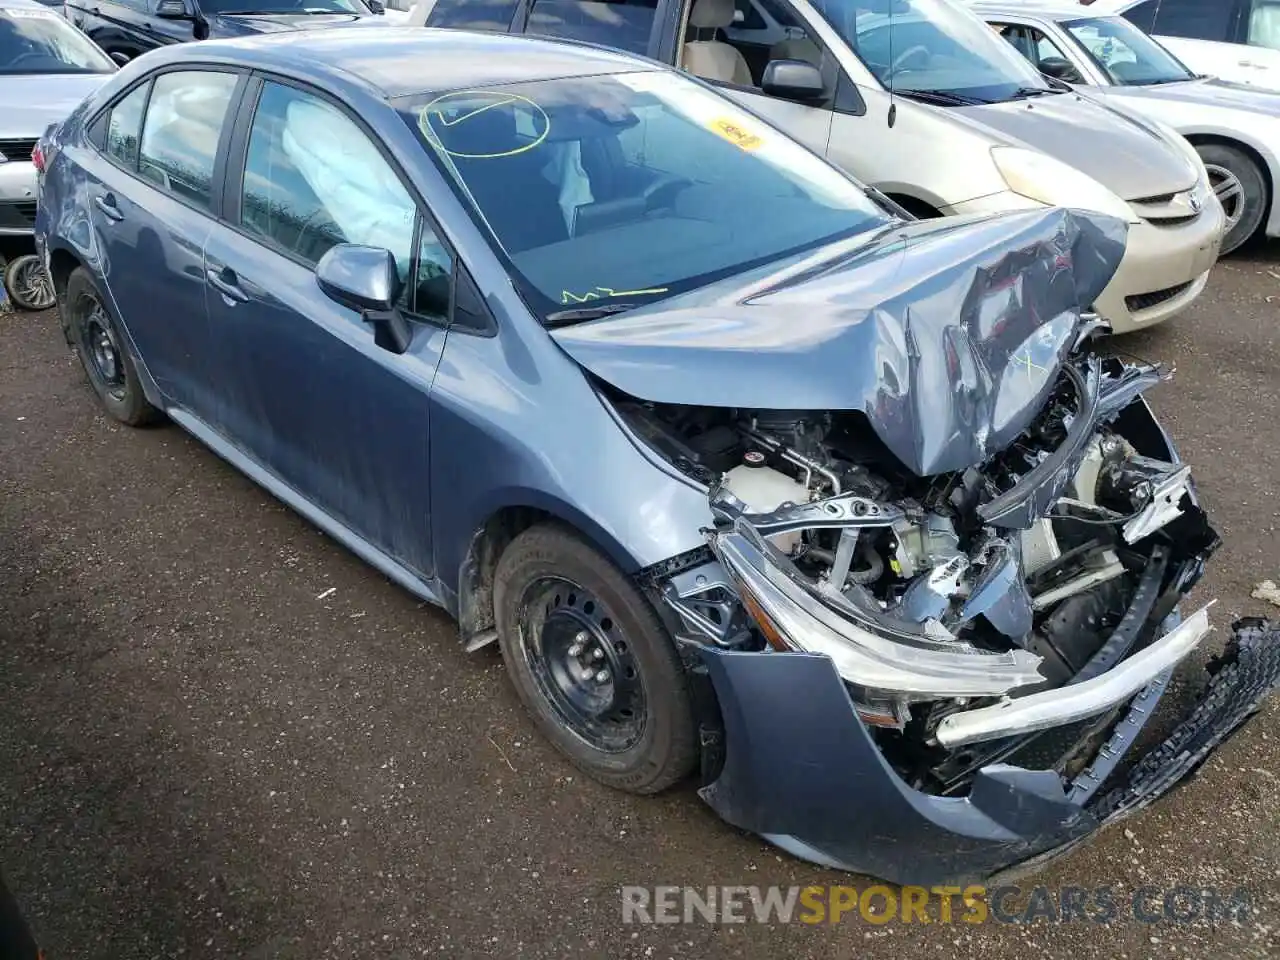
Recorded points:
(29, 104)
(947, 334)
(1115, 148)
(239, 25)
(1208, 93)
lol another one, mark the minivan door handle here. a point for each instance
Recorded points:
(225, 281)
(107, 204)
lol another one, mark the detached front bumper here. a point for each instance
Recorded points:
(801, 769)
(18, 186)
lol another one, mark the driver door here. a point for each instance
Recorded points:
(305, 390)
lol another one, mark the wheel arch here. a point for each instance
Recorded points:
(472, 603)
(915, 206)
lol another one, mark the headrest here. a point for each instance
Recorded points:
(711, 14)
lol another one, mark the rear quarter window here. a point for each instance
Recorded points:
(473, 14)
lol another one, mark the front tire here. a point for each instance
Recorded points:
(104, 352)
(1241, 188)
(593, 663)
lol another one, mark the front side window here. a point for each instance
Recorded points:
(625, 25)
(1264, 24)
(41, 42)
(124, 127)
(313, 179)
(1040, 49)
(933, 48)
(626, 189)
(1195, 19)
(1126, 54)
(1143, 15)
(181, 132)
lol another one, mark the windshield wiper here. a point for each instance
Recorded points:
(562, 318)
(944, 97)
(1024, 93)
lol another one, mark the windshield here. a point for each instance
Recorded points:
(1126, 54)
(933, 46)
(300, 7)
(38, 42)
(630, 188)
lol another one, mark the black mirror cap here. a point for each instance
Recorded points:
(120, 57)
(377, 6)
(793, 80)
(359, 277)
(173, 10)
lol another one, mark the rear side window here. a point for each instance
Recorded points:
(124, 127)
(473, 14)
(1195, 19)
(181, 132)
(626, 26)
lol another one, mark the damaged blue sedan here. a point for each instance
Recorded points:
(746, 472)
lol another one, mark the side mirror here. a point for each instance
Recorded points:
(1060, 69)
(119, 57)
(739, 16)
(793, 80)
(173, 10)
(365, 279)
(377, 6)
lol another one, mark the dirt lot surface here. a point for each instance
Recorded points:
(200, 756)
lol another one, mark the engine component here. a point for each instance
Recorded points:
(1097, 568)
(1040, 547)
(923, 545)
(764, 490)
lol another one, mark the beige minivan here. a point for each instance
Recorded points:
(922, 100)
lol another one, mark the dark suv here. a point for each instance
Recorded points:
(127, 28)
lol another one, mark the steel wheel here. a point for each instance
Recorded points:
(103, 351)
(583, 665)
(28, 283)
(1230, 193)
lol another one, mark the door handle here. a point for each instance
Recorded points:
(107, 204)
(225, 281)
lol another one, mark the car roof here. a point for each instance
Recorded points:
(1044, 9)
(401, 61)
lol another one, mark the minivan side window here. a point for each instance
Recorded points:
(473, 14)
(181, 132)
(124, 128)
(1195, 19)
(1143, 16)
(625, 25)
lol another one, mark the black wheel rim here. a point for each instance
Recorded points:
(583, 665)
(102, 349)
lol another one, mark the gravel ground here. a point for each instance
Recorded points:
(200, 756)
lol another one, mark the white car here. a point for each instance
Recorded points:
(1235, 129)
(1237, 40)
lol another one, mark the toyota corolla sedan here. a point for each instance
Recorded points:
(743, 473)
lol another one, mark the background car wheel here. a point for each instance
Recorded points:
(1241, 189)
(593, 663)
(28, 284)
(103, 353)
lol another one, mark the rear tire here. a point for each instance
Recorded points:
(104, 352)
(593, 663)
(1241, 188)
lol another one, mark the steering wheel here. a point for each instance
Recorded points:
(900, 62)
(662, 192)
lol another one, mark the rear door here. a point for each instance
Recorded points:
(152, 200)
(303, 387)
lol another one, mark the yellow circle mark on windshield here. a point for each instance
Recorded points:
(739, 136)
(471, 104)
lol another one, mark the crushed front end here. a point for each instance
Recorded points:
(929, 679)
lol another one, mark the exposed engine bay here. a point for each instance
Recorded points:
(1010, 611)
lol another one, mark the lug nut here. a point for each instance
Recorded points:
(602, 676)
(597, 654)
(575, 649)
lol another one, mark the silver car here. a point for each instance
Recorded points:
(47, 67)
(1235, 129)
